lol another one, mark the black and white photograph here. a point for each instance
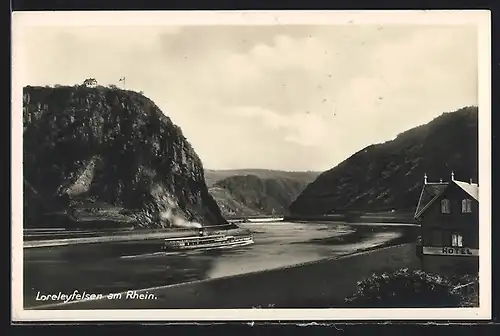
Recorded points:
(251, 165)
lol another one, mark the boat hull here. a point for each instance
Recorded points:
(207, 246)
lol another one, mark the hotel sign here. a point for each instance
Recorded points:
(453, 251)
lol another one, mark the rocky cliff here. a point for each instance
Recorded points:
(112, 152)
(389, 176)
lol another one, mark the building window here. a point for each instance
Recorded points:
(445, 206)
(466, 205)
(456, 240)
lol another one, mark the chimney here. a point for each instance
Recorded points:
(452, 176)
(425, 178)
(470, 181)
(440, 180)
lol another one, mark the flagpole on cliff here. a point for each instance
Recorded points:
(124, 83)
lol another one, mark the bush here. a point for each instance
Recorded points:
(405, 288)
(468, 286)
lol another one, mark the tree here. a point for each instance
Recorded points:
(405, 288)
(90, 82)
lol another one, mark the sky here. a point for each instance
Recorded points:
(275, 97)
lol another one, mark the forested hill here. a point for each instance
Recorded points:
(109, 155)
(254, 192)
(389, 176)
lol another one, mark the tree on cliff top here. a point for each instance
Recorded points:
(90, 82)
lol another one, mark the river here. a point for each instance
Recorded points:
(116, 267)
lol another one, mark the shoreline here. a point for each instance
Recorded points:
(112, 237)
(355, 218)
(393, 243)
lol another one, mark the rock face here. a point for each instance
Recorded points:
(106, 148)
(389, 176)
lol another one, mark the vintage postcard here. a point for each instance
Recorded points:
(274, 165)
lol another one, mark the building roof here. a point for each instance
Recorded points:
(431, 191)
(470, 188)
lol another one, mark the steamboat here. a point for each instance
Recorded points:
(206, 240)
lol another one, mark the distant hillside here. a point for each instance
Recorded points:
(230, 207)
(255, 192)
(389, 176)
(212, 176)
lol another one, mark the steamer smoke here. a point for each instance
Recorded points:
(178, 221)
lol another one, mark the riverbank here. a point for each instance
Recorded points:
(39, 238)
(319, 284)
(354, 217)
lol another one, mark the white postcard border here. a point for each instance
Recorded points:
(480, 18)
